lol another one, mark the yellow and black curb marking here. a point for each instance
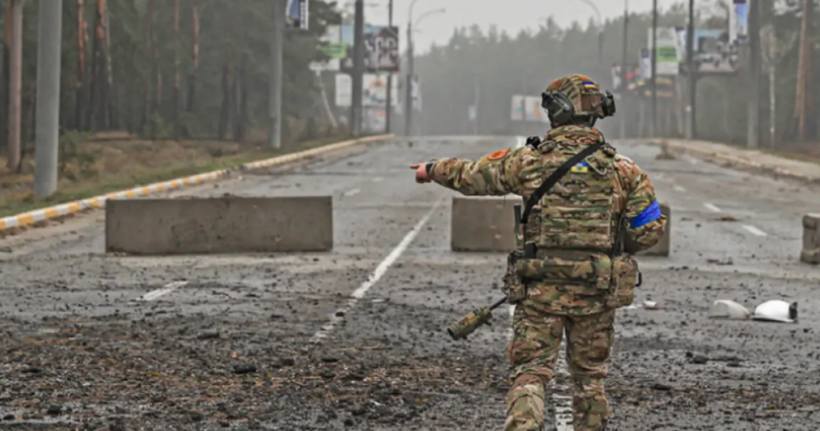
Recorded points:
(32, 217)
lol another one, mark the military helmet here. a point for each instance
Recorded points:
(575, 98)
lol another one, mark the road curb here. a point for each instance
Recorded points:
(681, 145)
(62, 210)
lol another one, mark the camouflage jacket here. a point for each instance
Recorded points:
(520, 171)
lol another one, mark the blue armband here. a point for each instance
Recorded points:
(650, 214)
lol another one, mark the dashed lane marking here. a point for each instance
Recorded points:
(711, 207)
(353, 192)
(679, 188)
(168, 288)
(359, 293)
(754, 231)
(377, 179)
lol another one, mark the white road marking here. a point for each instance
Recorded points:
(510, 331)
(353, 192)
(754, 230)
(711, 207)
(168, 288)
(377, 179)
(679, 188)
(359, 293)
(561, 401)
(520, 141)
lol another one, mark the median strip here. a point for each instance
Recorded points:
(62, 210)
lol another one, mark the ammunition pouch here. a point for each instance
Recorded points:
(515, 288)
(625, 274)
(594, 272)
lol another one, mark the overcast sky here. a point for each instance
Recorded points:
(508, 15)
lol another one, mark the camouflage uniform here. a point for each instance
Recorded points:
(579, 278)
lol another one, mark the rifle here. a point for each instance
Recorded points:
(469, 323)
(514, 290)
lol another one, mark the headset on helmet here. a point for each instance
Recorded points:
(560, 109)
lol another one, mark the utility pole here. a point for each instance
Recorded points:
(624, 59)
(692, 77)
(654, 54)
(15, 84)
(358, 68)
(388, 108)
(753, 135)
(408, 99)
(275, 90)
(48, 97)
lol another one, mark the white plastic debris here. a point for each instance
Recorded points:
(726, 309)
(776, 310)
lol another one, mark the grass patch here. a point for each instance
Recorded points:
(108, 166)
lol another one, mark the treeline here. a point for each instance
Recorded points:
(503, 65)
(167, 68)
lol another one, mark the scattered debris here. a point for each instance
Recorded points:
(776, 310)
(54, 409)
(651, 305)
(666, 153)
(727, 218)
(700, 359)
(244, 368)
(727, 262)
(726, 309)
(210, 335)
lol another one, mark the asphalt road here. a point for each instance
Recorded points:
(354, 338)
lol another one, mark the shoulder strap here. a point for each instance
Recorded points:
(555, 176)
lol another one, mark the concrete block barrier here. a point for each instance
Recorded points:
(664, 246)
(230, 224)
(811, 239)
(487, 224)
(483, 223)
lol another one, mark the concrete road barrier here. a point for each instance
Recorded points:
(664, 246)
(483, 223)
(811, 239)
(229, 224)
(487, 224)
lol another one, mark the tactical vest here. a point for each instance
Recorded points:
(576, 215)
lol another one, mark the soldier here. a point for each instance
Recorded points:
(602, 207)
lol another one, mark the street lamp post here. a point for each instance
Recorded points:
(654, 54)
(690, 68)
(624, 59)
(387, 109)
(408, 99)
(600, 33)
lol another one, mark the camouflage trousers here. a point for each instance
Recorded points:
(533, 354)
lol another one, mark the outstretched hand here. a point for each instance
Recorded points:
(421, 172)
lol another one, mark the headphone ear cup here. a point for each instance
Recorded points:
(609, 104)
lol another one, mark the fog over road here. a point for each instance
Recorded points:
(355, 338)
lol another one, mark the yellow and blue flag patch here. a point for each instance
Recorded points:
(590, 85)
(580, 168)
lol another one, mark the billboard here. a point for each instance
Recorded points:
(374, 90)
(717, 50)
(381, 44)
(667, 57)
(528, 108)
(332, 48)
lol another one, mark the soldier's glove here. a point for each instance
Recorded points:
(533, 141)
